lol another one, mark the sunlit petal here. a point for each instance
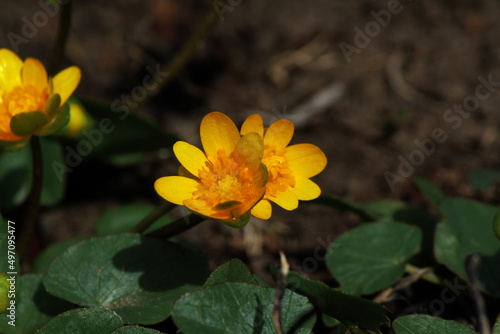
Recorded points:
(262, 210)
(218, 132)
(33, 73)
(253, 123)
(305, 189)
(175, 189)
(286, 199)
(279, 134)
(10, 69)
(305, 160)
(191, 157)
(65, 82)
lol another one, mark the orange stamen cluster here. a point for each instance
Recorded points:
(224, 180)
(280, 175)
(24, 98)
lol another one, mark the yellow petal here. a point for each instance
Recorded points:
(65, 82)
(262, 210)
(33, 73)
(286, 199)
(218, 132)
(305, 189)
(191, 157)
(10, 70)
(279, 133)
(305, 160)
(253, 123)
(249, 151)
(203, 208)
(175, 189)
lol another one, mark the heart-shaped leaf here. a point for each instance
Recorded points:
(373, 256)
(466, 230)
(98, 320)
(232, 271)
(424, 324)
(34, 307)
(240, 308)
(138, 277)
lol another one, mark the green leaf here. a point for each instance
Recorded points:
(26, 123)
(34, 306)
(373, 255)
(430, 190)
(44, 259)
(240, 308)
(124, 218)
(135, 330)
(138, 277)
(232, 271)
(483, 179)
(117, 130)
(53, 183)
(467, 230)
(352, 311)
(424, 324)
(496, 224)
(96, 320)
(496, 328)
(16, 175)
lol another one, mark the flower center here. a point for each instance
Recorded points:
(26, 98)
(224, 181)
(280, 175)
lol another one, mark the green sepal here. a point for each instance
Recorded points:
(58, 122)
(52, 105)
(266, 174)
(240, 221)
(26, 123)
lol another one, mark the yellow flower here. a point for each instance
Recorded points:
(78, 121)
(223, 183)
(31, 103)
(289, 167)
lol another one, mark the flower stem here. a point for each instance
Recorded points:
(34, 200)
(152, 217)
(177, 227)
(62, 37)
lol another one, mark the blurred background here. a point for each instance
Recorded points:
(363, 80)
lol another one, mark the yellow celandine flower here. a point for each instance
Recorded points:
(226, 181)
(289, 167)
(31, 103)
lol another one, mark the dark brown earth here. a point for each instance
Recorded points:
(274, 57)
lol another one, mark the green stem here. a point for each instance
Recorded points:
(187, 52)
(429, 276)
(177, 227)
(62, 37)
(152, 217)
(34, 200)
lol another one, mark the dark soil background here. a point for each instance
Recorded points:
(283, 59)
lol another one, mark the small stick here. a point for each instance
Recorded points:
(280, 292)
(484, 323)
